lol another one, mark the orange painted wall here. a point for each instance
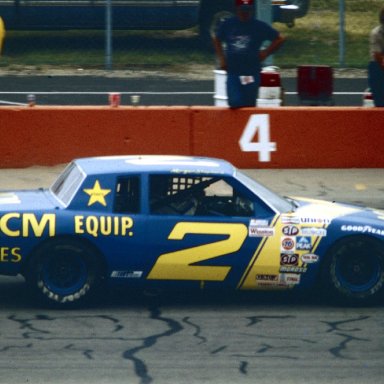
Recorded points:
(315, 137)
(48, 136)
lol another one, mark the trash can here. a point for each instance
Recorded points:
(315, 84)
(220, 95)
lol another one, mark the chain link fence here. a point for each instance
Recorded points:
(334, 32)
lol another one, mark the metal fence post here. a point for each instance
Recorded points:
(263, 10)
(108, 34)
(342, 33)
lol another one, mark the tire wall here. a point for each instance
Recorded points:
(286, 137)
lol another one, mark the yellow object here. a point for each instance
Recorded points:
(2, 34)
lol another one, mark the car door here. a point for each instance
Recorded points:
(202, 231)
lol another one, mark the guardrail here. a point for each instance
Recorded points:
(286, 137)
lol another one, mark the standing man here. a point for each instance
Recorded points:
(243, 37)
(376, 66)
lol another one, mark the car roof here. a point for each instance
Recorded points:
(154, 164)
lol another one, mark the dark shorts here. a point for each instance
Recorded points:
(376, 83)
(240, 95)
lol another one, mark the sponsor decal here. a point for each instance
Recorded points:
(289, 259)
(10, 255)
(103, 225)
(309, 231)
(259, 223)
(362, 229)
(293, 269)
(289, 278)
(269, 278)
(97, 194)
(15, 224)
(315, 220)
(286, 219)
(127, 274)
(290, 230)
(259, 228)
(261, 232)
(303, 243)
(309, 258)
(288, 244)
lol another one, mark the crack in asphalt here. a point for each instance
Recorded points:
(9, 347)
(197, 333)
(86, 352)
(218, 350)
(343, 346)
(140, 367)
(243, 367)
(31, 331)
(344, 334)
(335, 327)
(258, 319)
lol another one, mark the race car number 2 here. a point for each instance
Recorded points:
(178, 265)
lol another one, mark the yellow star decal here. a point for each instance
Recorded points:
(97, 194)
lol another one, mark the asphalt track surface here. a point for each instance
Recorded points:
(153, 90)
(128, 337)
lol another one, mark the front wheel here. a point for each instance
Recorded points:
(354, 271)
(64, 272)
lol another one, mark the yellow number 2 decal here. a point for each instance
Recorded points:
(178, 265)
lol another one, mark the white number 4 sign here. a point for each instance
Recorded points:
(258, 124)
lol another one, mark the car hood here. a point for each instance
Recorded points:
(313, 211)
(27, 200)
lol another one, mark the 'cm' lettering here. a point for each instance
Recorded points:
(16, 224)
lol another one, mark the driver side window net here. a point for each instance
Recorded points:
(196, 196)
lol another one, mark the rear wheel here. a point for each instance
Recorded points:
(354, 271)
(64, 272)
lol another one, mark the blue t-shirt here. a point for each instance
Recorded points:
(243, 41)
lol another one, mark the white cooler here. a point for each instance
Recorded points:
(270, 93)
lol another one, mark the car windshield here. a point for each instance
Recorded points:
(272, 199)
(67, 184)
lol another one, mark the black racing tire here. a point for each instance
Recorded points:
(354, 271)
(64, 272)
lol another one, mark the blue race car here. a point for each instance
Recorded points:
(184, 222)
